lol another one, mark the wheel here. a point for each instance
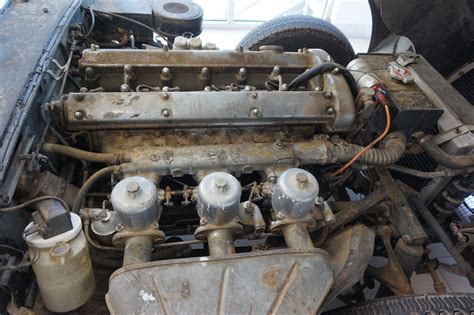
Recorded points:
(298, 31)
(451, 303)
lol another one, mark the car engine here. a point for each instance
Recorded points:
(161, 175)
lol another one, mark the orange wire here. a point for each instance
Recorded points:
(379, 138)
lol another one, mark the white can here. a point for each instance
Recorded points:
(62, 267)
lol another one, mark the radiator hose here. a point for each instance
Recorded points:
(393, 147)
(443, 158)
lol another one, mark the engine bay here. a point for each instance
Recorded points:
(168, 176)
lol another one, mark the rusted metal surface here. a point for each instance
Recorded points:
(191, 84)
(109, 58)
(139, 110)
(401, 215)
(47, 184)
(392, 274)
(174, 117)
(194, 70)
(350, 251)
(464, 233)
(356, 209)
(269, 282)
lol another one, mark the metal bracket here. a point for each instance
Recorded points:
(406, 59)
(452, 133)
(402, 216)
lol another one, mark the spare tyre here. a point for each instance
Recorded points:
(298, 31)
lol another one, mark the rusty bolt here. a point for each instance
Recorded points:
(302, 180)
(407, 238)
(165, 74)
(79, 97)
(327, 94)
(124, 88)
(280, 215)
(220, 183)
(78, 114)
(319, 201)
(275, 71)
(128, 69)
(254, 112)
(329, 111)
(89, 72)
(205, 74)
(279, 144)
(165, 112)
(253, 96)
(132, 187)
(165, 96)
(248, 207)
(242, 75)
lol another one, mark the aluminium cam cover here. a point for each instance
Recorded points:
(327, 101)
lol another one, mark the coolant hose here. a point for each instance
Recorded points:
(393, 148)
(83, 155)
(443, 158)
(81, 195)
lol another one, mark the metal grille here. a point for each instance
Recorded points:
(465, 86)
(420, 162)
(465, 212)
